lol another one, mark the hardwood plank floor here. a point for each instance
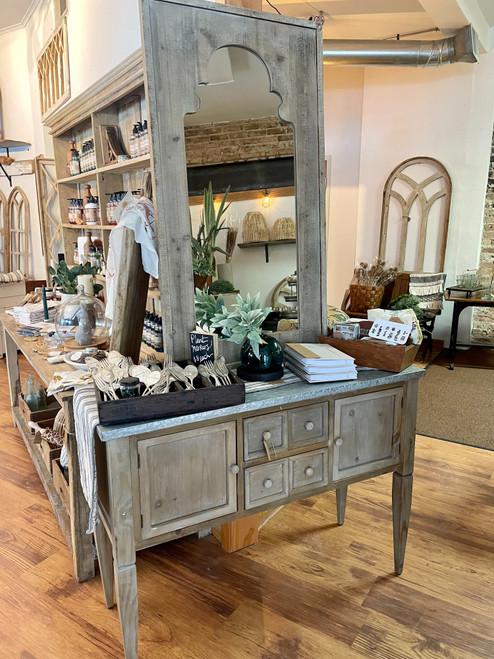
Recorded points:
(308, 590)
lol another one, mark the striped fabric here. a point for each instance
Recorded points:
(86, 419)
(428, 289)
(9, 277)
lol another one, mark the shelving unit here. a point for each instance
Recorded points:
(267, 244)
(119, 100)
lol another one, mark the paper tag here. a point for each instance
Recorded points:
(385, 330)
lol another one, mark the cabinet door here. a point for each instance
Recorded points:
(187, 478)
(367, 432)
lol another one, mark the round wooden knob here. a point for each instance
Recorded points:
(338, 441)
(268, 483)
(266, 435)
(309, 425)
(309, 471)
(234, 469)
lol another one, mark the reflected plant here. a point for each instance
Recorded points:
(204, 245)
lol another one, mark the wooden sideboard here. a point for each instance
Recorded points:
(165, 479)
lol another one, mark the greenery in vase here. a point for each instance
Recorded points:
(244, 322)
(221, 286)
(407, 302)
(66, 278)
(204, 245)
(206, 306)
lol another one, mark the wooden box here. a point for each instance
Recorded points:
(61, 484)
(383, 357)
(43, 418)
(48, 452)
(178, 402)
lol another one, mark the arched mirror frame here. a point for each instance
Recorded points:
(179, 38)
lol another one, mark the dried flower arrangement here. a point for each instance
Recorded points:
(375, 274)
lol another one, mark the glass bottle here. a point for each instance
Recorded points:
(41, 395)
(91, 211)
(30, 397)
(75, 165)
(76, 254)
(145, 139)
(139, 141)
(69, 156)
(87, 245)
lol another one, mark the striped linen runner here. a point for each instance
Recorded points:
(428, 289)
(86, 419)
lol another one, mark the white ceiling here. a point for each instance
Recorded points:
(12, 13)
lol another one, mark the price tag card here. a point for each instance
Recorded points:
(390, 332)
(203, 346)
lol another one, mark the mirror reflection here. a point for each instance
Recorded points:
(237, 142)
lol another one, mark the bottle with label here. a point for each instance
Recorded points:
(145, 139)
(75, 165)
(75, 256)
(30, 397)
(69, 156)
(87, 245)
(41, 395)
(91, 211)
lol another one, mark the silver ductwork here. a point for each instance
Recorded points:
(462, 47)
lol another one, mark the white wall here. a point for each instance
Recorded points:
(446, 113)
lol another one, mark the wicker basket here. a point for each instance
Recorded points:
(283, 229)
(363, 298)
(254, 228)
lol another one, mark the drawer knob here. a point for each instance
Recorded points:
(309, 471)
(309, 425)
(266, 435)
(338, 441)
(234, 469)
(268, 483)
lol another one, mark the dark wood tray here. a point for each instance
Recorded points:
(178, 402)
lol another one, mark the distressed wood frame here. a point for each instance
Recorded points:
(52, 66)
(179, 38)
(4, 235)
(51, 225)
(18, 230)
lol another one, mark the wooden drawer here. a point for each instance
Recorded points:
(269, 428)
(309, 470)
(61, 485)
(308, 425)
(265, 483)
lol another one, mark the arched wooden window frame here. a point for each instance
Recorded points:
(4, 235)
(18, 230)
(417, 194)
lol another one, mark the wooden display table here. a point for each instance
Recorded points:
(164, 479)
(461, 303)
(75, 522)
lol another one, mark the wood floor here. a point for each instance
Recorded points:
(308, 590)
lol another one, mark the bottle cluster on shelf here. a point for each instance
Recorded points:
(139, 140)
(87, 156)
(80, 213)
(34, 395)
(152, 333)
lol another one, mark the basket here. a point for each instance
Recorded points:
(254, 228)
(363, 298)
(283, 229)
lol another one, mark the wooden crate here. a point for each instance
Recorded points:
(61, 484)
(48, 452)
(43, 418)
(383, 357)
(176, 403)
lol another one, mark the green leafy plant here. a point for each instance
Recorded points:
(206, 306)
(407, 301)
(66, 278)
(221, 286)
(244, 322)
(203, 244)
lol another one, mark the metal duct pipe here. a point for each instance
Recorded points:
(462, 47)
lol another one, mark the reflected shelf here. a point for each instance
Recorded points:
(267, 243)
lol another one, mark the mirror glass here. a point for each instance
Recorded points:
(237, 139)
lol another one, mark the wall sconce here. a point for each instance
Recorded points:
(266, 200)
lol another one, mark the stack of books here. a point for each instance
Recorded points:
(31, 313)
(319, 362)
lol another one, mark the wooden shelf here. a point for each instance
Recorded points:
(267, 243)
(115, 168)
(96, 227)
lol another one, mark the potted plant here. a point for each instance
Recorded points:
(66, 278)
(261, 355)
(204, 245)
(206, 306)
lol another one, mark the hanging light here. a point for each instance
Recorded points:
(266, 200)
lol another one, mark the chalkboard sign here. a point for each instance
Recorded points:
(203, 345)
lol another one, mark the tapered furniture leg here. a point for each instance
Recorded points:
(105, 560)
(126, 592)
(341, 493)
(402, 502)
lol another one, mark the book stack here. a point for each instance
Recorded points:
(318, 362)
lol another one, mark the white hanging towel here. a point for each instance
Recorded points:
(139, 217)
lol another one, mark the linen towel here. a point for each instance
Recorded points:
(139, 217)
(428, 289)
(86, 419)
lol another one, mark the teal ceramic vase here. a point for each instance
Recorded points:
(268, 366)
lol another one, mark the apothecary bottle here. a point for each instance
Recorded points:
(30, 397)
(75, 165)
(91, 211)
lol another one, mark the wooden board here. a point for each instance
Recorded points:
(386, 358)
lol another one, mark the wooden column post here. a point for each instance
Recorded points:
(130, 299)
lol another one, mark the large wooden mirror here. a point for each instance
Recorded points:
(180, 41)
